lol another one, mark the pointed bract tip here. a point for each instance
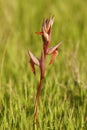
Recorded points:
(34, 59)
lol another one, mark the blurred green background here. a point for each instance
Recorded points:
(63, 103)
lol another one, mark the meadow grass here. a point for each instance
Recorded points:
(63, 99)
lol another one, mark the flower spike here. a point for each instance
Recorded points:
(46, 37)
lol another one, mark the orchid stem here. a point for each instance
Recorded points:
(37, 99)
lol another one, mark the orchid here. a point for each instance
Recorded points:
(46, 38)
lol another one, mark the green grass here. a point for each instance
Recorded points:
(63, 99)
